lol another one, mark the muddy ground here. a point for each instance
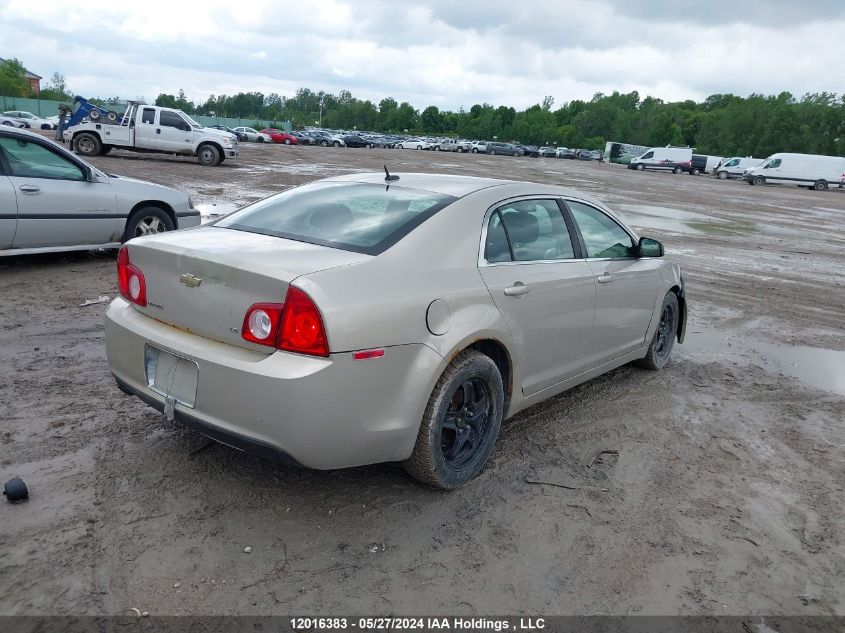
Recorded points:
(726, 496)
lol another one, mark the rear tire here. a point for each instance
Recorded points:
(208, 155)
(88, 144)
(664, 337)
(336, 143)
(147, 221)
(695, 171)
(460, 424)
(820, 185)
(677, 170)
(474, 150)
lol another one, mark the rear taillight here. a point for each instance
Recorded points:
(292, 326)
(261, 323)
(302, 329)
(130, 279)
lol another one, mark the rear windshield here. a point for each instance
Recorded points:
(364, 218)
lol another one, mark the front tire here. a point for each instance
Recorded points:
(287, 141)
(336, 143)
(723, 175)
(208, 155)
(640, 167)
(88, 144)
(758, 180)
(460, 424)
(260, 139)
(664, 337)
(474, 150)
(147, 221)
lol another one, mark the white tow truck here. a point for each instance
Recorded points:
(146, 128)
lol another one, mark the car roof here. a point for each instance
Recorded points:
(458, 186)
(16, 131)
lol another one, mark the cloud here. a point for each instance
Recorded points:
(446, 53)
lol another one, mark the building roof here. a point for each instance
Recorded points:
(28, 75)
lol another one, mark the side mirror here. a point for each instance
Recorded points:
(648, 247)
(89, 174)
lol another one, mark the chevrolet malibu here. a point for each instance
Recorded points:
(371, 318)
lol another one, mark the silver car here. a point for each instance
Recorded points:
(365, 318)
(52, 200)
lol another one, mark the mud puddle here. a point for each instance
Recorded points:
(820, 368)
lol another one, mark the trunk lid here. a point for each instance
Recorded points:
(204, 280)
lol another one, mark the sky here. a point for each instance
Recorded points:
(448, 53)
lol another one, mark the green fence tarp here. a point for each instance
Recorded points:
(45, 108)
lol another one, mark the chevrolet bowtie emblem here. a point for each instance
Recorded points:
(189, 280)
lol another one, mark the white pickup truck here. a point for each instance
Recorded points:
(145, 128)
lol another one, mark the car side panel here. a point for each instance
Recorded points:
(8, 212)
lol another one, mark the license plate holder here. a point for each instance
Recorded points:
(172, 376)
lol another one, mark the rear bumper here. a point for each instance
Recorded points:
(319, 412)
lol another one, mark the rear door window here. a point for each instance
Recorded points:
(364, 218)
(528, 230)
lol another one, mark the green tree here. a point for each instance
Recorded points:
(13, 79)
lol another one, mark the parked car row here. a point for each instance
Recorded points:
(27, 120)
(803, 170)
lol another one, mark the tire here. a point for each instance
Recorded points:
(474, 150)
(677, 170)
(491, 152)
(336, 143)
(664, 336)
(758, 180)
(88, 144)
(111, 116)
(94, 115)
(208, 155)
(419, 146)
(368, 146)
(695, 171)
(46, 126)
(820, 185)
(460, 150)
(324, 143)
(470, 395)
(723, 175)
(287, 141)
(640, 167)
(9, 123)
(260, 139)
(515, 154)
(106, 149)
(147, 221)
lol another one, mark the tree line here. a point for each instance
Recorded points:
(721, 124)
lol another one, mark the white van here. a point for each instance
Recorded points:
(674, 159)
(735, 167)
(805, 170)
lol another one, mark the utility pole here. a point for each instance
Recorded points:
(322, 98)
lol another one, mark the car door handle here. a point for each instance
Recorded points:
(516, 290)
(29, 189)
(158, 131)
(605, 278)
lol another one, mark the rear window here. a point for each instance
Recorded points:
(363, 218)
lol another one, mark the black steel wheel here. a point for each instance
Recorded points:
(664, 337)
(460, 424)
